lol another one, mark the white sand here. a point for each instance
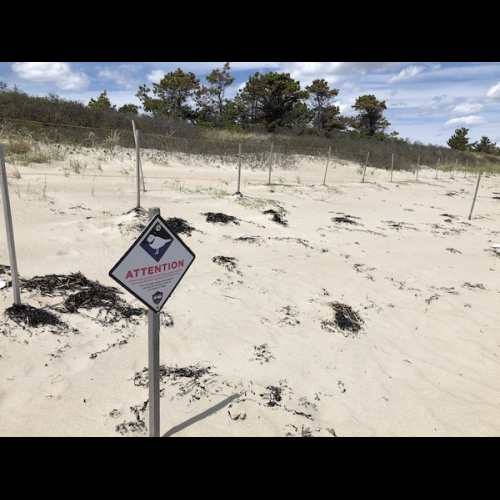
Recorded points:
(256, 351)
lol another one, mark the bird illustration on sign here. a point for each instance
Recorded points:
(157, 242)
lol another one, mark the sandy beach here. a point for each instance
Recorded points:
(351, 309)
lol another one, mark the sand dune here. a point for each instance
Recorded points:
(350, 310)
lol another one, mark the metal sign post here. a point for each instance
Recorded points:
(10, 229)
(151, 271)
(154, 363)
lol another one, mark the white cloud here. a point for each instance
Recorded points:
(156, 76)
(442, 103)
(124, 75)
(464, 122)
(467, 109)
(494, 92)
(58, 74)
(407, 74)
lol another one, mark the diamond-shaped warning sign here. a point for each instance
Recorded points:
(154, 265)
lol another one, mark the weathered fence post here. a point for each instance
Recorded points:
(10, 229)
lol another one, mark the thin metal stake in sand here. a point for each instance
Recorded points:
(366, 166)
(10, 229)
(138, 160)
(154, 362)
(475, 196)
(437, 168)
(328, 165)
(271, 163)
(139, 157)
(238, 193)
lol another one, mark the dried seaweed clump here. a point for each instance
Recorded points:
(230, 263)
(31, 317)
(346, 319)
(218, 218)
(81, 293)
(180, 226)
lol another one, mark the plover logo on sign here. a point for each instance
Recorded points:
(157, 242)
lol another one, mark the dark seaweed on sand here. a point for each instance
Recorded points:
(31, 317)
(230, 263)
(276, 217)
(180, 226)
(346, 319)
(218, 218)
(82, 293)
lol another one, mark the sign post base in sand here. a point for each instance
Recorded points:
(151, 271)
(10, 230)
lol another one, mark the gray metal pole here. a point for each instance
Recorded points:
(475, 196)
(238, 193)
(138, 160)
(154, 363)
(328, 165)
(392, 169)
(366, 166)
(10, 229)
(271, 163)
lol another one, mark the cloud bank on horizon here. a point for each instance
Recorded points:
(426, 101)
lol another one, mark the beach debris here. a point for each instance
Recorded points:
(219, 218)
(257, 240)
(274, 396)
(180, 226)
(398, 226)
(304, 432)
(474, 287)
(192, 380)
(346, 219)
(229, 263)
(263, 354)
(3, 284)
(30, 317)
(290, 318)
(241, 416)
(294, 240)
(432, 299)
(276, 217)
(140, 219)
(138, 426)
(346, 319)
(193, 373)
(83, 293)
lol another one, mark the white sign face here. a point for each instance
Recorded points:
(154, 265)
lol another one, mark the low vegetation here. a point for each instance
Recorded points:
(47, 129)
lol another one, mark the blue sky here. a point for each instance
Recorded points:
(426, 101)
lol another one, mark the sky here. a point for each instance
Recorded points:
(426, 101)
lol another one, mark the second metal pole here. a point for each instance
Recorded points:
(10, 229)
(154, 363)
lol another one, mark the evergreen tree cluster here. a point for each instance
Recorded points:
(268, 103)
